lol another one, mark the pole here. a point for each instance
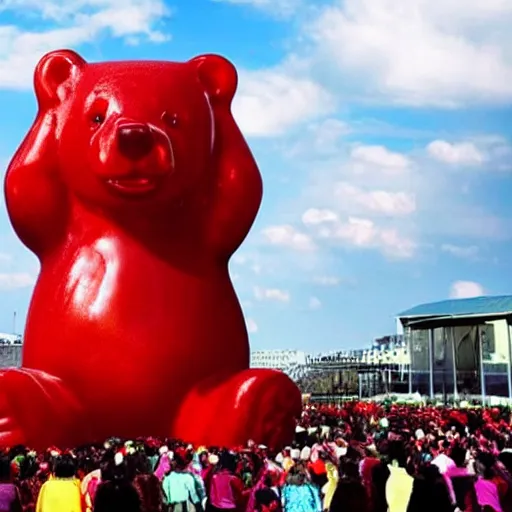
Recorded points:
(14, 323)
(409, 342)
(482, 374)
(431, 362)
(454, 364)
(509, 362)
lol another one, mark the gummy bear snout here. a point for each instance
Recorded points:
(135, 140)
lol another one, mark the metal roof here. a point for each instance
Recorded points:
(457, 307)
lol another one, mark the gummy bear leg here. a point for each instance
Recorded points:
(37, 410)
(258, 404)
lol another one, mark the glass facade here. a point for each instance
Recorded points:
(458, 361)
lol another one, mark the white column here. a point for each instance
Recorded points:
(482, 374)
(454, 364)
(431, 363)
(509, 361)
(409, 342)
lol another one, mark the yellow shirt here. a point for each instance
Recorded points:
(60, 495)
(330, 487)
(398, 489)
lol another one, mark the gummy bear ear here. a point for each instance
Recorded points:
(218, 75)
(54, 76)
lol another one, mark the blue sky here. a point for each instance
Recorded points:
(382, 130)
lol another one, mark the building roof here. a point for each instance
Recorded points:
(462, 307)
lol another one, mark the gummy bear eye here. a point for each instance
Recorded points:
(98, 112)
(98, 119)
(171, 120)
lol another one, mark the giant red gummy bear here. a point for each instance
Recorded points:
(134, 187)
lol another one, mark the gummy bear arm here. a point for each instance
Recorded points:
(238, 187)
(35, 197)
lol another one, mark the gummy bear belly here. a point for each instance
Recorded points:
(130, 324)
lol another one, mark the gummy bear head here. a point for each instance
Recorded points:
(127, 133)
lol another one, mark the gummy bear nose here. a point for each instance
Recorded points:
(135, 141)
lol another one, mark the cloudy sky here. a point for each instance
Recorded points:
(382, 129)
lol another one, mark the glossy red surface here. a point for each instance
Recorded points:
(134, 186)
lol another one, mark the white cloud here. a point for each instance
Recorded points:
(71, 24)
(314, 303)
(466, 289)
(327, 133)
(376, 201)
(459, 251)
(327, 280)
(5, 257)
(273, 294)
(314, 216)
(365, 234)
(15, 280)
(288, 236)
(358, 232)
(271, 101)
(462, 153)
(380, 156)
(447, 53)
(252, 326)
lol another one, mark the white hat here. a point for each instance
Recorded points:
(299, 429)
(305, 453)
(295, 454)
(325, 431)
(163, 449)
(262, 447)
(341, 451)
(213, 459)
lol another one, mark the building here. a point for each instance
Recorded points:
(10, 339)
(460, 347)
(277, 359)
(10, 350)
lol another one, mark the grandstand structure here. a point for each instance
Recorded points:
(382, 368)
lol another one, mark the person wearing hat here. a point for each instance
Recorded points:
(226, 489)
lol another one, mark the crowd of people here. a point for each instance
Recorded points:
(356, 457)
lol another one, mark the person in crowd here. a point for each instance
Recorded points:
(460, 482)
(116, 493)
(179, 486)
(430, 492)
(10, 500)
(329, 488)
(266, 500)
(226, 489)
(150, 492)
(62, 492)
(298, 494)
(487, 492)
(350, 494)
(400, 482)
